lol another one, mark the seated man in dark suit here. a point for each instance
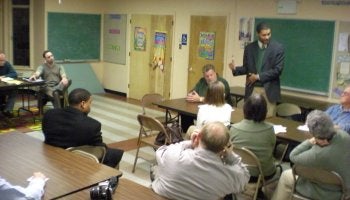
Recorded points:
(72, 127)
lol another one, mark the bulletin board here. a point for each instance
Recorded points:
(114, 38)
(341, 77)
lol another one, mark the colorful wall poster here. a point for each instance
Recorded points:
(159, 50)
(140, 39)
(207, 45)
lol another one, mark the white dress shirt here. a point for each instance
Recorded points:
(33, 191)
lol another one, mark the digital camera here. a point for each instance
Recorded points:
(104, 190)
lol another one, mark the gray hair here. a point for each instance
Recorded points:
(215, 136)
(320, 125)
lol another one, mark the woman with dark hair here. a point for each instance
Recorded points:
(256, 134)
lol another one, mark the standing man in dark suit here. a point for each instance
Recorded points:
(72, 127)
(263, 63)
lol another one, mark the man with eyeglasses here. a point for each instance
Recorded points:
(340, 113)
(7, 97)
(327, 149)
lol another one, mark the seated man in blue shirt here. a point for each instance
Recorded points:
(340, 113)
(7, 97)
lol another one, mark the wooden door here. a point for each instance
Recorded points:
(201, 26)
(145, 75)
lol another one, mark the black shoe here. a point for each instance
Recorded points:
(7, 114)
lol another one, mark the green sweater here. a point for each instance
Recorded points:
(201, 88)
(334, 157)
(260, 139)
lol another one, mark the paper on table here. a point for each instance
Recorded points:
(303, 128)
(10, 81)
(5, 79)
(30, 80)
(32, 177)
(279, 129)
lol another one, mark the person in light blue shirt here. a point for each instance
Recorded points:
(340, 113)
(34, 190)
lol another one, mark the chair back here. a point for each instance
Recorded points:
(65, 94)
(289, 110)
(148, 100)
(251, 162)
(86, 155)
(319, 176)
(93, 152)
(150, 126)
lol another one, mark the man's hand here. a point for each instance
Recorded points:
(232, 65)
(252, 78)
(33, 77)
(319, 142)
(64, 81)
(312, 140)
(193, 97)
(39, 175)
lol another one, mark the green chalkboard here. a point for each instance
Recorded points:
(308, 52)
(74, 37)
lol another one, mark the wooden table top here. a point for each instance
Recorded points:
(21, 155)
(9, 86)
(180, 105)
(126, 190)
(183, 107)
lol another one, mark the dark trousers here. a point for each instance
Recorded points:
(113, 157)
(186, 121)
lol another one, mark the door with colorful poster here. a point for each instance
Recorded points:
(207, 46)
(150, 55)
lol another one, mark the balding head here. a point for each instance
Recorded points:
(214, 136)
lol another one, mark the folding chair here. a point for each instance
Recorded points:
(318, 176)
(96, 153)
(149, 129)
(148, 101)
(289, 111)
(252, 163)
